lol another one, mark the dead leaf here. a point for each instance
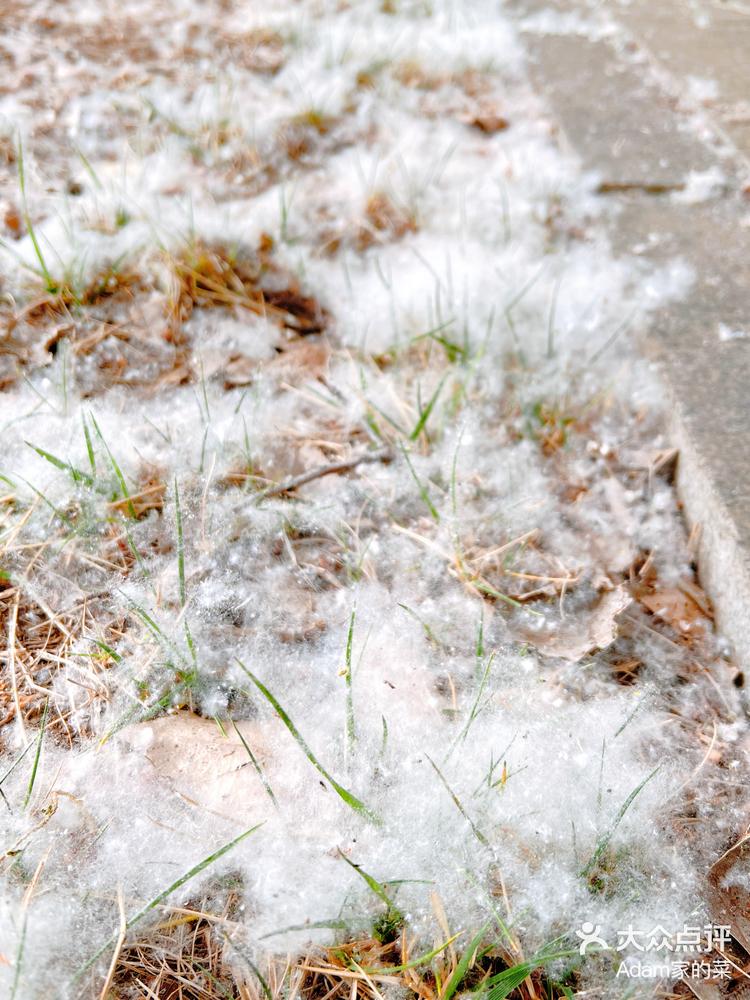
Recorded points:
(698, 595)
(489, 123)
(729, 897)
(303, 313)
(703, 989)
(239, 370)
(383, 219)
(300, 361)
(673, 606)
(13, 221)
(308, 632)
(573, 640)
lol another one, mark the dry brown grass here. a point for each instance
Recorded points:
(47, 659)
(149, 496)
(193, 954)
(207, 277)
(132, 331)
(300, 137)
(259, 50)
(66, 296)
(384, 221)
(181, 958)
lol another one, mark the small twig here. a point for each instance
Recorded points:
(646, 187)
(293, 483)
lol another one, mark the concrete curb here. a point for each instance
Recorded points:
(617, 110)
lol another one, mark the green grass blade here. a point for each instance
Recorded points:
(180, 543)
(37, 755)
(603, 841)
(256, 765)
(108, 650)
(351, 800)
(89, 446)
(510, 979)
(17, 761)
(134, 550)
(251, 965)
(479, 650)
(157, 633)
(337, 924)
(384, 741)
(430, 334)
(394, 423)
(19, 957)
(631, 716)
(475, 709)
(89, 168)
(503, 984)
(190, 644)
(55, 510)
(115, 467)
(428, 631)
(195, 870)
(373, 883)
(50, 284)
(465, 963)
(421, 487)
(76, 474)
(351, 731)
(457, 802)
(424, 416)
(415, 962)
(141, 713)
(491, 592)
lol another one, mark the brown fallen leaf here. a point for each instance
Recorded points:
(704, 990)
(303, 313)
(574, 639)
(307, 632)
(239, 371)
(13, 221)
(729, 897)
(384, 220)
(181, 374)
(300, 360)
(698, 595)
(488, 122)
(675, 607)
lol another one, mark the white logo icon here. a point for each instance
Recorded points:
(590, 934)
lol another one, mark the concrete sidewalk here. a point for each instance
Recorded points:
(627, 82)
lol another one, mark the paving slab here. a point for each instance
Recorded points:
(622, 120)
(700, 42)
